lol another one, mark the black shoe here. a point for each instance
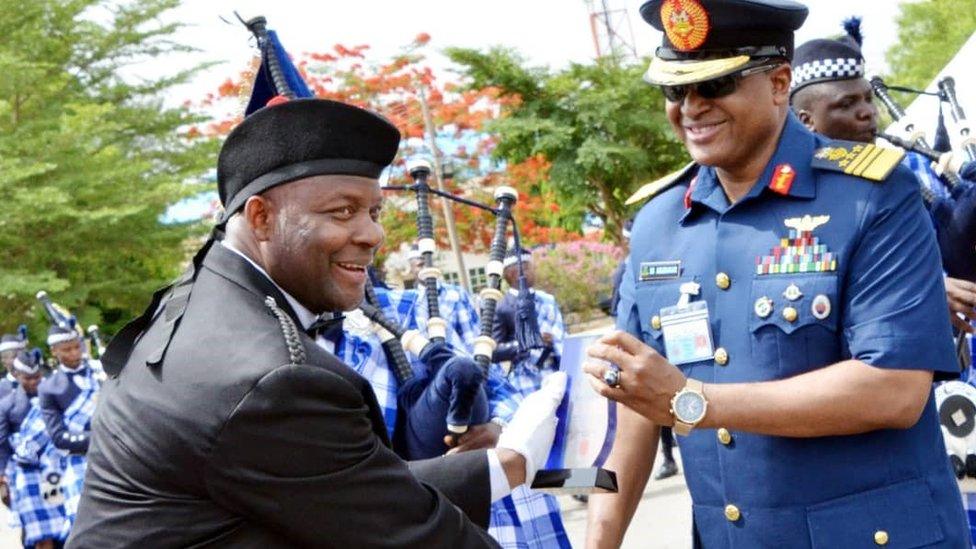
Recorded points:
(668, 469)
(582, 498)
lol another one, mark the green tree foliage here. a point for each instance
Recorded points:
(89, 161)
(930, 33)
(599, 125)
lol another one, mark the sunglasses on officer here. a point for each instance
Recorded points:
(714, 88)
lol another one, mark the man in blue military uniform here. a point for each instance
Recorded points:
(830, 95)
(782, 307)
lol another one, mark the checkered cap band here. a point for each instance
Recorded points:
(827, 69)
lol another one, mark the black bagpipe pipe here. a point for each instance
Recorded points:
(450, 393)
(914, 135)
(947, 92)
(491, 295)
(419, 170)
(95, 339)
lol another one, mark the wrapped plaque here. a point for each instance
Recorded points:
(584, 435)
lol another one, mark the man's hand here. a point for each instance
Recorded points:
(533, 428)
(961, 295)
(546, 339)
(647, 380)
(477, 437)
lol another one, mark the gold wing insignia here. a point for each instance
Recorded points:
(806, 223)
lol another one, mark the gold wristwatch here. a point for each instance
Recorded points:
(688, 406)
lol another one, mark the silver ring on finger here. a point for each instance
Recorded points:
(611, 376)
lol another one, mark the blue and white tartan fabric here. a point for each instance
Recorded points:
(363, 352)
(77, 419)
(969, 504)
(529, 521)
(525, 374)
(922, 168)
(36, 495)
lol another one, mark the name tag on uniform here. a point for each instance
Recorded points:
(659, 270)
(687, 333)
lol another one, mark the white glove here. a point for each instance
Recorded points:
(533, 428)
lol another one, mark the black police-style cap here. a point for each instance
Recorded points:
(298, 139)
(706, 39)
(828, 60)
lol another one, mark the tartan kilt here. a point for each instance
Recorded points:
(41, 518)
(72, 483)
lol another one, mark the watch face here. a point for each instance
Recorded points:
(689, 407)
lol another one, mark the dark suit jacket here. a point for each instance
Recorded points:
(235, 431)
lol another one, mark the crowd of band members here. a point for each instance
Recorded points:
(46, 406)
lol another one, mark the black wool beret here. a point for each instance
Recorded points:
(298, 139)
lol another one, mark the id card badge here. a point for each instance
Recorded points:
(687, 333)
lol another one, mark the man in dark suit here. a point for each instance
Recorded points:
(226, 424)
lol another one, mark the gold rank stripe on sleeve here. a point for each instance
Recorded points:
(657, 186)
(858, 159)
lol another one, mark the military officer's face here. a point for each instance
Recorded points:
(840, 110)
(725, 132)
(68, 353)
(322, 233)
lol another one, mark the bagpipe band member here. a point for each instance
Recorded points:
(13, 409)
(529, 366)
(10, 345)
(259, 436)
(67, 399)
(785, 316)
(36, 488)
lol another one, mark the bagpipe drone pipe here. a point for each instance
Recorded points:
(955, 214)
(456, 373)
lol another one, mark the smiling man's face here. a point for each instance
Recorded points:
(323, 232)
(725, 132)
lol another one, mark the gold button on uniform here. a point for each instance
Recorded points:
(724, 436)
(721, 356)
(881, 537)
(732, 513)
(723, 281)
(656, 322)
(790, 314)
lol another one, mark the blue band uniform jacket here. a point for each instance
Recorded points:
(856, 275)
(239, 432)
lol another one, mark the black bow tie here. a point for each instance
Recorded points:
(329, 327)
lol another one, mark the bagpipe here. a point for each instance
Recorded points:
(450, 395)
(955, 214)
(454, 397)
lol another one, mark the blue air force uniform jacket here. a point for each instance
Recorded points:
(811, 267)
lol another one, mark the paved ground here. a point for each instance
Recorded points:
(662, 521)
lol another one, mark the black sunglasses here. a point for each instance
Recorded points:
(714, 88)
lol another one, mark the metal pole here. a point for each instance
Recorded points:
(438, 177)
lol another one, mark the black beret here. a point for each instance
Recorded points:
(705, 39)
(299, 139)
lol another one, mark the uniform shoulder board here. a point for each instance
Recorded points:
(859, 159)
(658, 186)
